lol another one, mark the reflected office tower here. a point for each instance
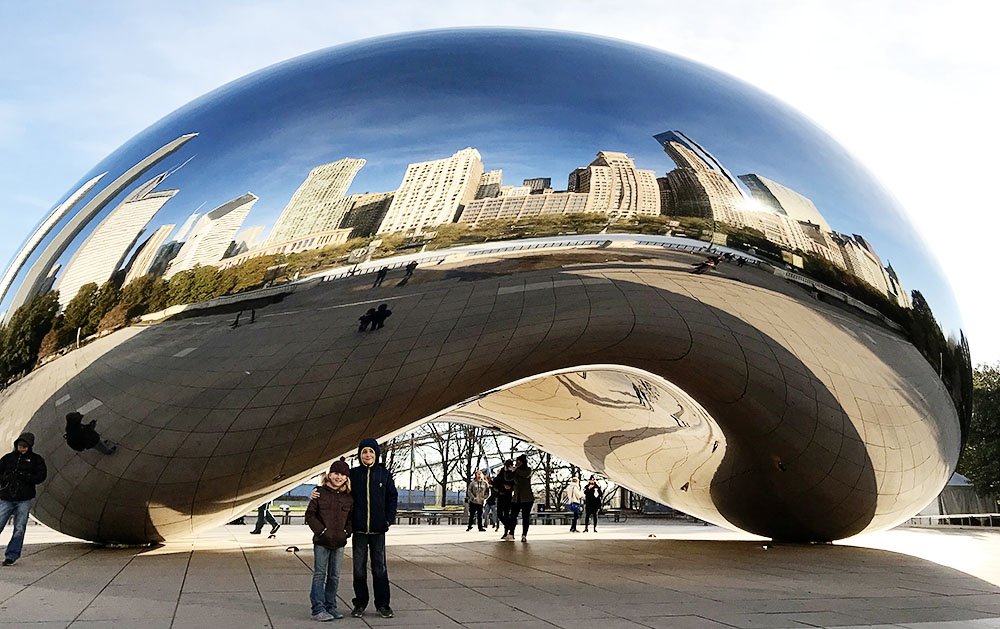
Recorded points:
(700, 186)
(862, 262)
(616, 186)
(318, 204)
(245, 240)
(41, 232)
(783, 200)
(365, 212)
(212, 235)
(489, 184)
(896, 290)
(104, 250)
(538, 185)
(434, 192)
(36, 275)
(187, 226)
(144, 259)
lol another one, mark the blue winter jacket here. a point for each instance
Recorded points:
(375, 496)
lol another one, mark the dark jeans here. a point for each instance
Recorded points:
(503, 514)
(263, 513)
(19, 509)
(524, 508)
(591, 513)
(576, 517)
(362, 544)
(476, 511)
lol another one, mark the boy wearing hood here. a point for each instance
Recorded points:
(20, 471)
(374, 511)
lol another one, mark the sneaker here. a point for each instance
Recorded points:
(468, 529)
(385, 612)
(255, 532)
(504, 538)
(524, 538)
(274, 529)
(481, 530)
(322, 617)
(357, 612)
(9, 562)
(336, 614)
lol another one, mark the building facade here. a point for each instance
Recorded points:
(515, 207)
(143, 261)
(617, 187)
(319, 203)
(306, 243)
(433, 193)
(212, 235)
(783, 200)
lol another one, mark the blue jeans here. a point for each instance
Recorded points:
(19, 510)
(490, 515)
(361, 545)
(326, 577)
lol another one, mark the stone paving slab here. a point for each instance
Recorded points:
(685, 576)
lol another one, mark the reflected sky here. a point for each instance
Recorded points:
(534, 103)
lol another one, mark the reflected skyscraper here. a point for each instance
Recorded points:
(33, 280)
(783, 200)
(616, 186)
(41, 232)
(365, 212)
(212, 235)
(434, 192)
(104, 250)
(700, 186)
(538, 185)
(143, 261)
(489, 184)
(318, 204)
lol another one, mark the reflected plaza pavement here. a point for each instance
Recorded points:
(689, 575)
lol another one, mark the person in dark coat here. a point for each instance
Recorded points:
(80, 436)
(410, 268)
(375, 500)
(20, 471)
(329, 517)
(504, 492)
(592, 495)
(378, 319)
(524, 497)
(380, 276)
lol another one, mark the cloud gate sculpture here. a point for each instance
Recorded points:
(645, 267)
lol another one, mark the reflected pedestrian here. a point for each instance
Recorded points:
(592, 495)
(264, 513)
(80, 436)
(20, 471)
(365, 320)
(574, 501)
(477, 493)
(329, 517)
(379, 317)
(524, 498)
(410, 268)
(380, 276)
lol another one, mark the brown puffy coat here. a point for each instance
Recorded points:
(329, 517)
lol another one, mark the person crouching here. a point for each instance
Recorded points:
(329, 517)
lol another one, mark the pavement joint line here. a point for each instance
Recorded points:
(256, 587)
(371, 301)
(101, 591)
(180, 591)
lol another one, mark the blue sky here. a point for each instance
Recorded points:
(901, 85)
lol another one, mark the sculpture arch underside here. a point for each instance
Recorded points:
(735, 397)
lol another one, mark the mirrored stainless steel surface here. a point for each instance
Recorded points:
(641, 265)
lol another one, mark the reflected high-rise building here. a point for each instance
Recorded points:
(700, 186)
(104, 250)
(863, 263)
(783, 200)
(616, 186)
(538, 185)
(365, 212)
(318, 204)
(489, 184)
(434, 192)
(143, 260)
(41, 232)
(212, 235)
(35, 278)
(245, 240)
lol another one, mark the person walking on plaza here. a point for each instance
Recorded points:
(505, 499)
(574, 501)
(524, 498)
(379, 317)
(592, 495)
(490, 506)
(375, 500)
(80, 436)
(20, 471)
(477, 493)
(329, 517)
(264, 513)
(380, 276)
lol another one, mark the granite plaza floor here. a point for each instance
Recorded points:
(686, 576)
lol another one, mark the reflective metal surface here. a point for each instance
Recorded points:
(805, 388)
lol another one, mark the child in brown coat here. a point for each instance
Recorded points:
(329, 517)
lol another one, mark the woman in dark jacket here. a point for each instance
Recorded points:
(592, 495)
(329, 517)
